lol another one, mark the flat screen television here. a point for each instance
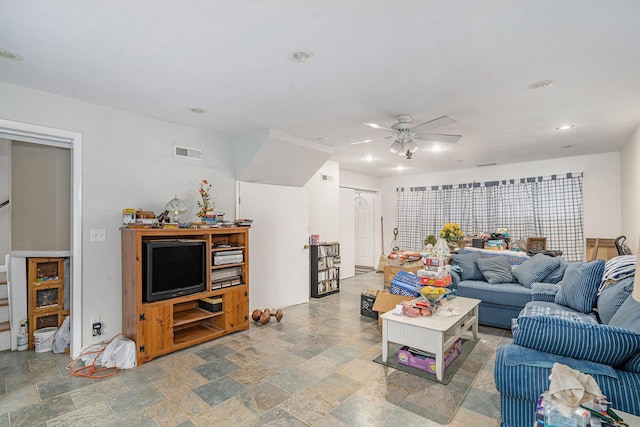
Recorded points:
(173, 268)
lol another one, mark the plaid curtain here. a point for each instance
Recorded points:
(548, 207)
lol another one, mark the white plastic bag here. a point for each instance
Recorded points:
(62, 337)
(120, 353)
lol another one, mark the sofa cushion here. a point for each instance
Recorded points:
(594, 342)
(535, 269)
(467, 262)
(503, 294)
(495, 269)
(612, 297)
(556, 275)
(537, 308)
(580, 285)
(627, 316)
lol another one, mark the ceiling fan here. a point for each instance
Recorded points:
(404, 133)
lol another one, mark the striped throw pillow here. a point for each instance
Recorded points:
(616, 269)
(594, 342)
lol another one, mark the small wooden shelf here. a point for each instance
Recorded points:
(232, 248)
(218, 267)
(195, 333)
(193, 315)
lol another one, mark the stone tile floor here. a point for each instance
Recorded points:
(313, 369)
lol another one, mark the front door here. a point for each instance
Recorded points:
(364, 229)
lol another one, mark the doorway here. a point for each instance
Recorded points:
(72, 140)
(364, 231)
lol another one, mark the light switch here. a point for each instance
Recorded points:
(98, 235)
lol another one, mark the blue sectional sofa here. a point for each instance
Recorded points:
(589, 322)
(502, 281)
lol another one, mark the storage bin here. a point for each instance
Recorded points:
(43, 339)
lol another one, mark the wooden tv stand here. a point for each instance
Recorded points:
(166, 326)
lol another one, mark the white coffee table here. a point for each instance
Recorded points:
(433, 334)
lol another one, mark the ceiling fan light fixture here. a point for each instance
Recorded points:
(565, 127)
(397, 148)
(412, 147)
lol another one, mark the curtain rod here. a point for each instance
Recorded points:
(553, 177)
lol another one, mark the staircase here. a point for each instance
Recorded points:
(5, 324)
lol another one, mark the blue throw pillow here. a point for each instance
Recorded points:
(627, 316)
(467, 262)
(495, 269)
(612, 297)
(556, 275)
(588, 341)
(579, 287)
(535, 269)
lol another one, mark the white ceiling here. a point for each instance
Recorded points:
(373, 59)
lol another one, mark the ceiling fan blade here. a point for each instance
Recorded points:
(435, 123)
(377, 126)
(438, 137)
(364, 141)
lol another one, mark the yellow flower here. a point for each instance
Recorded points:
(451, 232)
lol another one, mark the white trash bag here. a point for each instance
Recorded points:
(62, 337)
(120, 353)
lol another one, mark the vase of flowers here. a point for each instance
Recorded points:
(206, 204)
(452, 233)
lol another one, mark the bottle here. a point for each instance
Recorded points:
(23, 338)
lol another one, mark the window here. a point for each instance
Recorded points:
(548, 207)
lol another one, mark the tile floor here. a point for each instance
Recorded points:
(313, 369)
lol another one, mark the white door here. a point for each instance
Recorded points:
(364, 229)
(347, 233)
(278, 259)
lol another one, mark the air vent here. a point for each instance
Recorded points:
(187, 152)
(326, 178)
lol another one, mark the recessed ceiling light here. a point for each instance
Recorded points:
(399, 168)
(565, 127)
(301, 56)
(197, 110)
(322, 138)
(436, 148)
(369, 159)
(11, 56)
(541, 84)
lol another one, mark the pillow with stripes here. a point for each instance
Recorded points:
(616, 269)
(595, 342)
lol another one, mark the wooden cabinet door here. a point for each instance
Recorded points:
(237, 311)
(156, 333)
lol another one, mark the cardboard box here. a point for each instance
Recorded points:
(441, 281)
(387, 302)
(436, 261)
(427, 361)
(367, 300)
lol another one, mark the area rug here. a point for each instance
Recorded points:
(392, 362)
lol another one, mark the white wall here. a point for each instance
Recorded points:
(324, 203)
(630, 191)
(601, 187)
(347, 233)
(128, 162)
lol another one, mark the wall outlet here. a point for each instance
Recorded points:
(98, 235)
